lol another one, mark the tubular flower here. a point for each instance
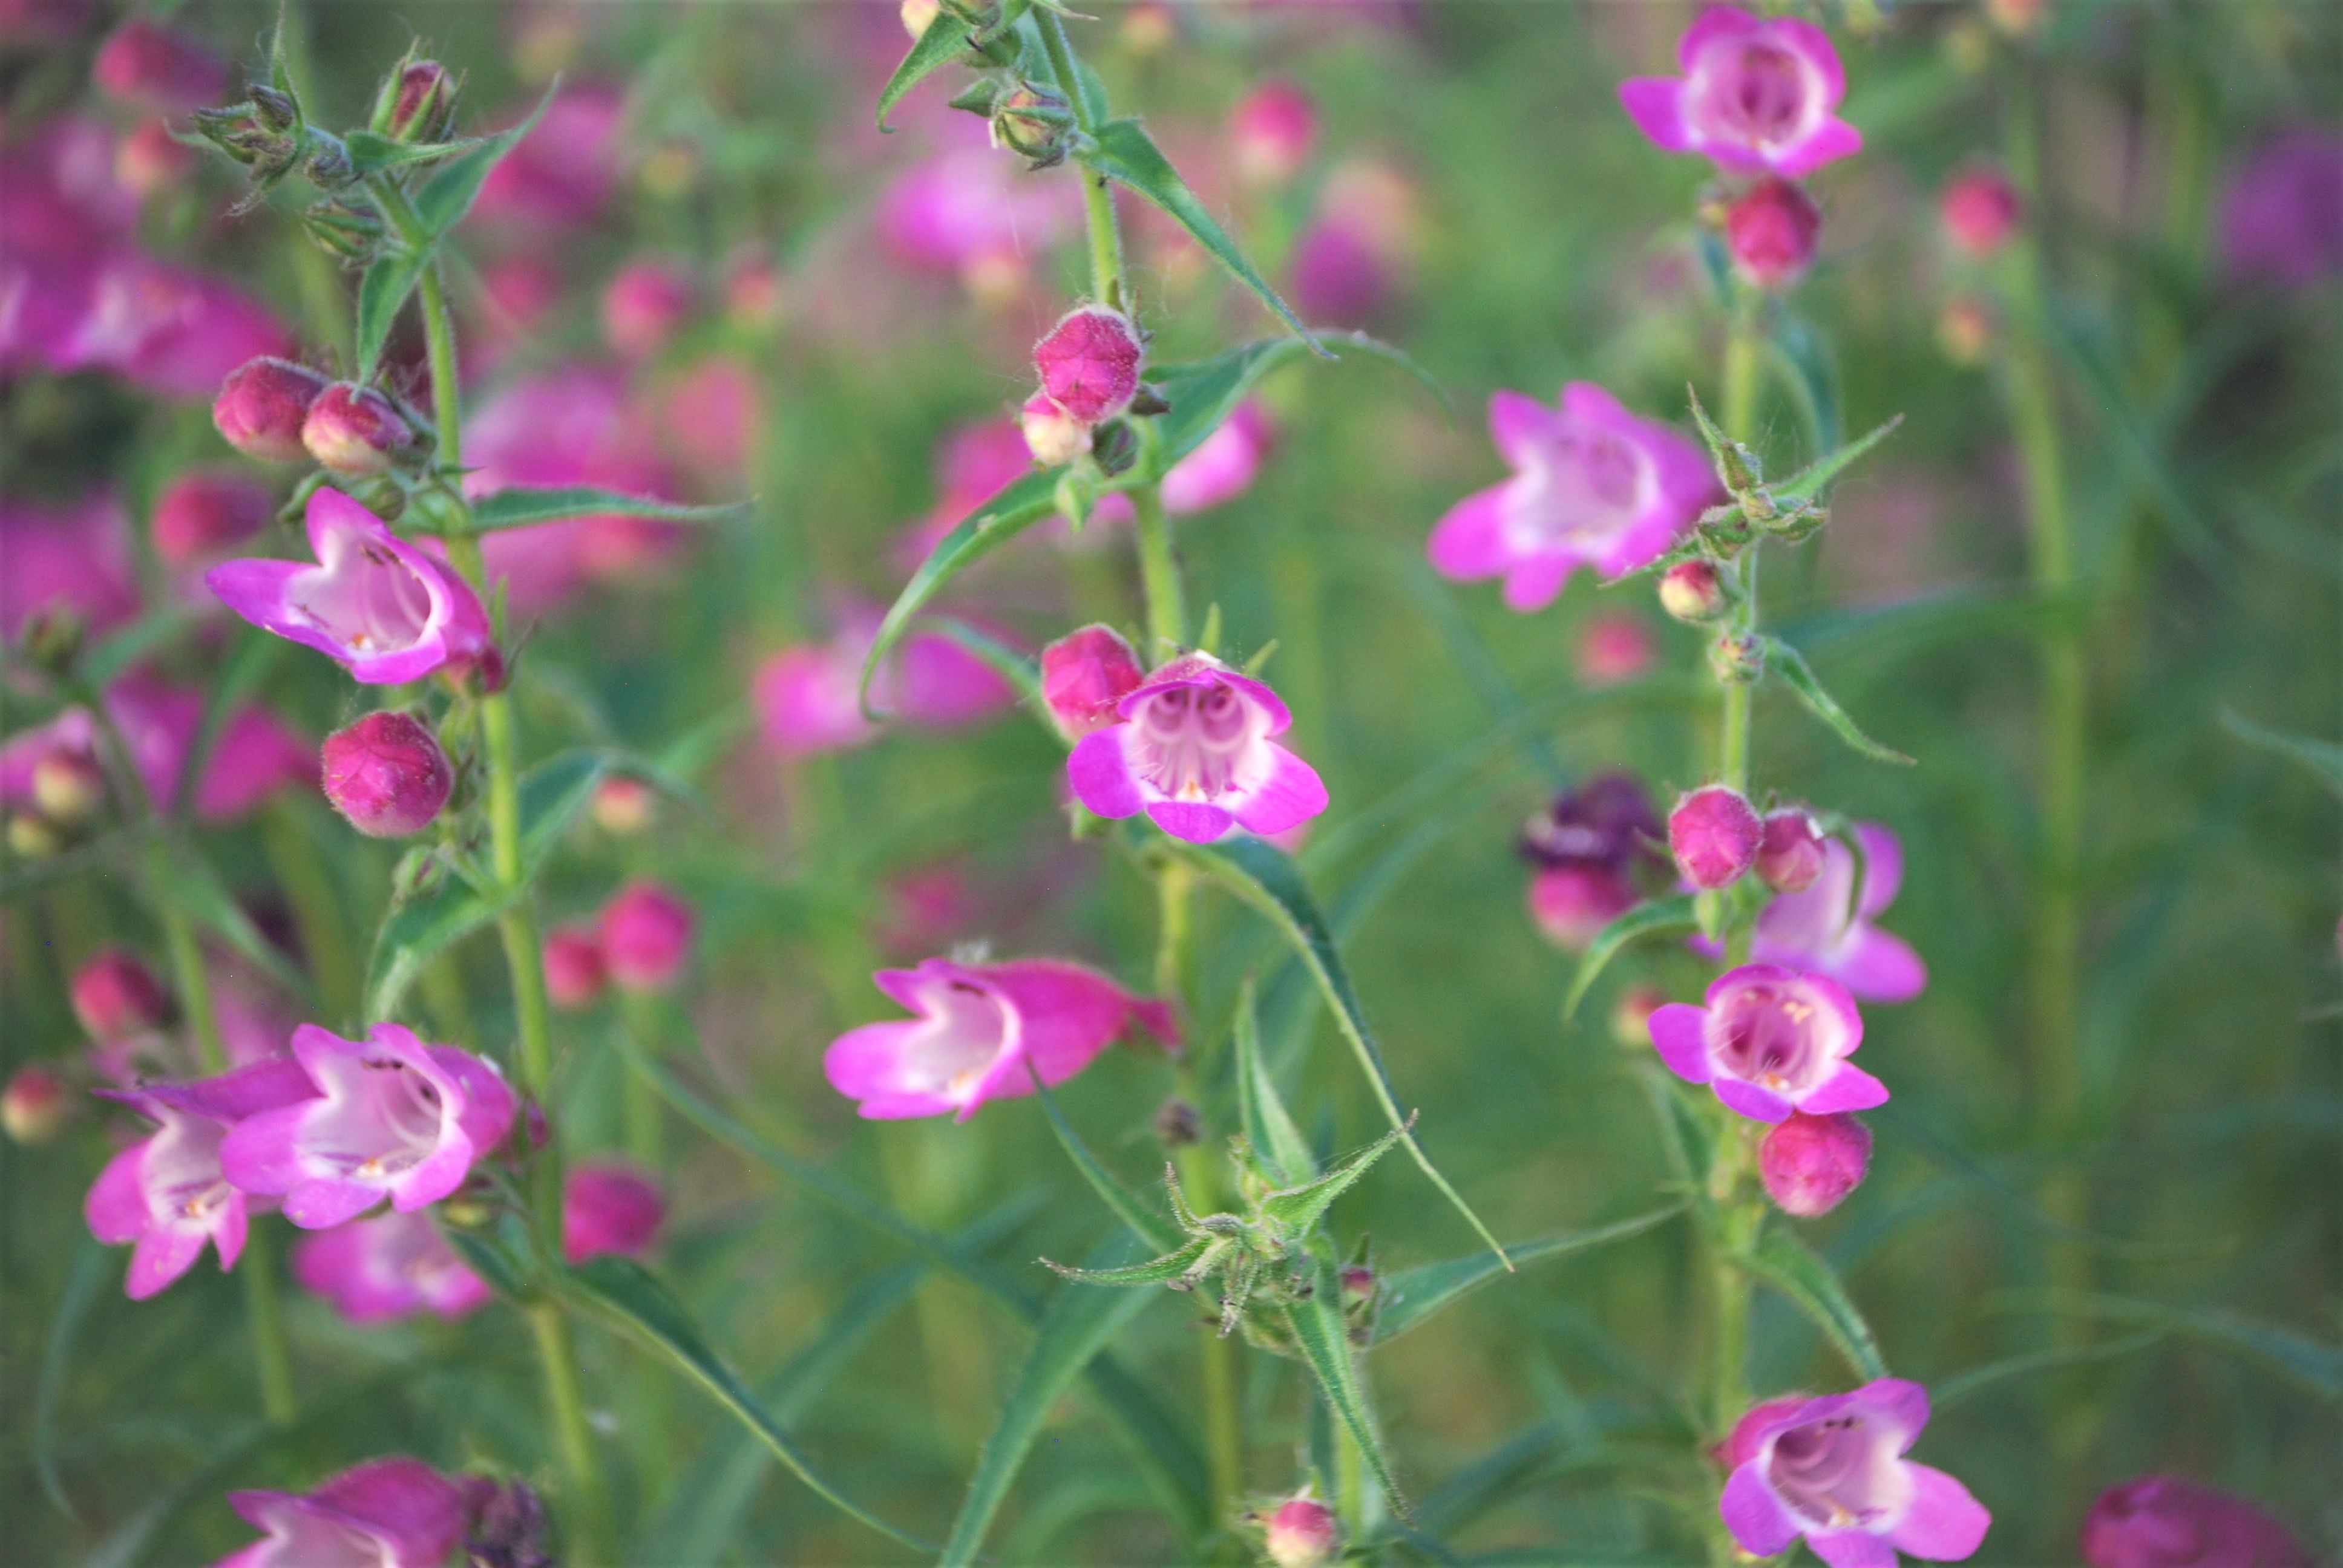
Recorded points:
(373, 603)
(805, 699)
(1826, 928)
(384, 1514)
(1195, 750)
(391, 1266)
(1770, 1041)
(1755, 96)
(1833, 1470)
(982, 1030)
(2163, 1522)
(608, 1206)
(393, 1117)
(1592, 485)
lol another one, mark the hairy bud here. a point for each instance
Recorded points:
(1770, 230)
(1084, 674)
(354, 430)
(418, 104)
(1790, 856)
(1714, 833)
(1090, 362)
(36, 1105)
(114, 996)
(262, 407)
(1693, 591)
(1035, 122)
(1810, 1163)
(342, 228)
(387, 775)
(1303, 1533)
(1736, 656)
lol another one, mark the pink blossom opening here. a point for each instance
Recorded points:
(1755, 96)
(1833, 1470)
(1195, 749)
(1770, 1041)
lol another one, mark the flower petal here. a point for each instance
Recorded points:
(322, 1205)
(163, 1254)
(1190, 819)
(1468, 543)
(1676, 1032)
(1851, 1548)
(1848, 1088)
(115, 1207)
(1832, 140)
(1880, 966)
(1756, 1518)
(1100, 777)
(1748, 1099)
(1657, 105)
(1883, 868)
(1515, 423)
(1717, 22)
(1289, 797)
(1944, 1522)
(1535, 584)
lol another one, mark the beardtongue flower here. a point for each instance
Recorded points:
(114, 996)
(1088, 363)
(73, 558)
(199, 513)
(387, 775)
(1195, 749)
(1592, 485)
(262, 405)
(1607, 822)
(609, 1207)
(353, 429)
(384, 1514)
(806, 696)
(1715, 835)
(1755, 95)
(574, 971)
(1980, 210)
(382, 609)
(2164, 1522)
(1770, 1042)
(643, 304)
(982, 1030)
(1827, 928)
(158, 67)
(1572, 904)
(1302, 1533)
(1770, 230)
(2282, 212)
(1809, 1163)
(256, 755)
(391, 1266)
(1271, 131)
(1790, 855)
(1084, 675)
(167, 1194)
(1223, 463)
(393, 1117)
(1833, 1470)
(645, 934)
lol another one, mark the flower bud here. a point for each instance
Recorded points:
(2164, 1522)
(574, 971)
(387, 775)
(1810, 1163)
(262, 406)
(114, 996)
(1980, 211)
(624, 805)
(646, 933)
(1572, 903)
(1358, 1285)
(69, 787)
(1033, 123)
(918, 16)
(36, 1105)
(1790, 855)
(1090, 362)
(344, 229)
(643, 305)
(354, 430)
(202, 512)
(1736, 656)
(1713, 834)
(421, 102)
(1083, 675)
(1967, 329)
(1692, 591)
(608, 1207)
(1272, 130)
(1050, 435)
(148, 162)
(1631, 1015)
(1613, 646)
(1304, 1533)
(1770, 229)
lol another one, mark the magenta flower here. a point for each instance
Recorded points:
(376, 604)
(2163, 1522)
(387, 775)
(1715, 834)
(1302, 1533)
(389, 1267)
(2282, 214)
(575, 973)
(1827, 928)
(1196, 750)
(1755, 96)
(262, 405)
(75, 557)
(608, 1206)
(202, 512)
(1572, 903)
(1592, 485)
(384, 1514)
(1790, 856)
(256, 755)
(806, 695)
(157, 67)
(1271, 132)
(1833, 1470)
(643, 304)
(1770, 231)
(1980, 210)
(1223, 463)
(174, 332)
(1770, 1042)
(393, 1118)
(979, 1028)
(166, 1193)
(563, 172)
(1085, 674)
(645, 936)
(114, 996)
(1088, 363)
(970, 213)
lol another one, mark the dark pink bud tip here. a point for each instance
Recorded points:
(1790, 855)
(1713, 834)
(1980, 210)
(1810, 1163)
(1303, 1533)
(574, 971)
(1770, 229)
(1090, 362)
(262, 407)
(646, 935)
(387, 775)
(115, 996)
(1692, 591)
(1084, 675)
(36, 1104)
(418, 111)
(354, 430)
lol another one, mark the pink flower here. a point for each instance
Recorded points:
(199, 513)
(384, 1514)
(1195, 749)
(1572, 903)
(806, 695)
(1353, 257)
(1223, 463)
(562, 173)
(1827, 928)
(1613, 646)
(2282, 213)
(1809, 1163)
(391, 1266)
(387, 775)
(256, 756)
(1051, 435)
(2164, 1522)
(970, 213)
(1770, 1041)
(158, 67)
(574, 971)
(1979, 210)
(643, 304)
(1084, 675)
(393, 1118)
(115, 996)
(1754, 96)
(608, 1206)
(978, 1028)
(373, 603)
(1770, 230)
(75, 557)
(174, 332)
(1833, 1470)
(166, 1192)
(645, 936)
(1715, 835)
(1088, 363)
(1271, 132)
(708, 415)
(1790, 856)
(1592, 485)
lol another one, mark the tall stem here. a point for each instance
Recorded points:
(1159, 574)
(1098, 196)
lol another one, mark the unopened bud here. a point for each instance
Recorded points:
(574, 971)
(1790, 856)
(262, 406)
(387, 775)
(329, 166)
(1303, 1533)
(1358, 1285)
(274, 110)
(1051, 435)
(1178, 1125)
(1736, 657)
(646, 933)
(1714, 833)
(643, 304)
(1035, 122)
(341, 228)
(69, 787)
(1631, 1015)
(1272, 130)
(509, 1524)
(114, 996)
(1980, 210)
(1693, 591)
(1810, 1163)
(1572, 902)
(36, 1104)
(1770, 230)
(1967, 329)
(624, 805)
(1090, 362)
(354, 430)
(1114, 448)
(422, 101)
(1084, 675)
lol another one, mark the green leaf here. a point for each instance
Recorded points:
(389, 279)
(1653, 917)
(119, 650)
(1155, 1272)
(371, 153)
(1124, 153)
(1792, 1268)
(1299, 1209)
(627, 1295)
(186, 882)
(93, 1268)
(945, 40)
(1269, 1128)
(450, 191)
(1786, 664)
(488, 1257)
(1263, 876)
(1804, 359)
(1157, 1233)
(1076, 1327)
(1809, 483)
(517, 508)
(1204, 393)
(1418, 1294)
(1944, 1392)
(2323, 758)
(2313, 1365)
(1325, 1343)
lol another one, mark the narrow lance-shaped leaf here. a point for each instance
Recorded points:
(1019, 668)
(1299, 1208)
(1325, 1343)
(2323, 758)
(1653, 917)
(1154, 1230)
(517, 508)
(370, 153)
(1269, 1128)
(1809, 482)
(2313, 1365)
(1945, 1393)
(1413, 1295)
(945, 39)
(1160, 1271)
(1788, 664)
(1790, 1267)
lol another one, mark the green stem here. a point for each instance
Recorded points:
(317, 915)
(1744, 348)
(1159, 574)
(1098, 194)
(1350, 1482)
(564, 1402)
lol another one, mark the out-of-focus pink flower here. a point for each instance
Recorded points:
(201, 512)
(1715, 834)
(393, 1118)
(384, 1514)
(1770, 1042)
(643, 304)
(256, 755)
(1085, 675)
(1352, 258)
(35, 22)
(806, 695)
(391, 1266)
(928, 908)
(1606, 821)
(263, 406)
(1770, 231)
(36, 1105)
(1833, 1470)
(75, 557)
(65, 212)
(708, 414)
(1613, 646)
(518, 293)
(608, 1206)
(1979, 210)
(574, 971)
(387, 775)
(148, 161)
(1809, 1163)
(969, 212)
(1195, 749)
(2164, 1522)
(645, 934)
(166, 1192)
(982, 1031)
(2282, 212)
(1827, 928)
(1755, 95)
(115, 996)
(1224, 465)
(973, 463)
(756, 297)
(561, 174)
(373, 603)
(1571, 904)
(1271, 132)
(152, 65)
(174, 332)
(1592, 485)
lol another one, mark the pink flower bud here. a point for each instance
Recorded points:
(354, 430)
(198, 513)
(422, 104)
(158, 67)
(1810, 1163)
(387, 775)
(609, 1207)
(624, 805)
(1084, 675)
(1053, 435)
(1090, 362)
(1770, 229)
(646, 932)
(1358, 1285)
(1272, 130)
(1572, 903)
(69, 787)
(1790, 855)
(643, 305)
(1967, 328)
(114, 996)
(148, 161)
(262, 406)
(1613, 646)
(1980, 211)
(1713, 834)
(1304, 1533)
(1631, 1015)
(574, 971)
(36, 1105)
(1692, 591)
(2164, 1522)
